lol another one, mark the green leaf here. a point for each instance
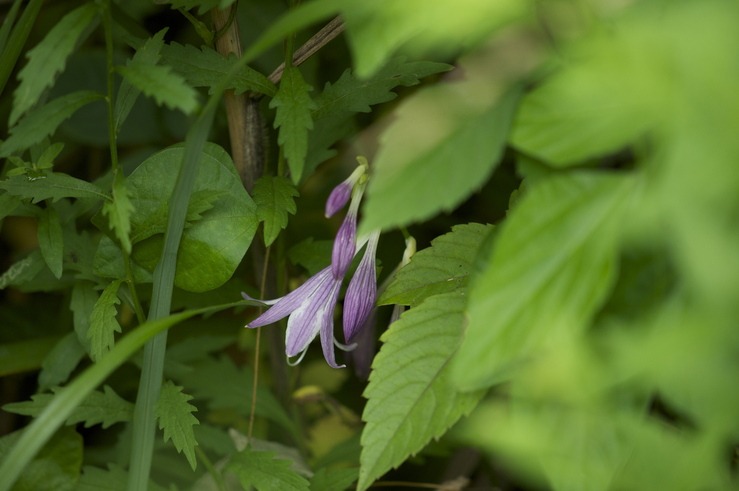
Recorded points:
(49, 57)
(81, 304)
(52, 186)
(60, 362)
(377, 30)
(157, 81)
(274, 197)
(8, 204)
(211, 247)
(176, 419)
(10, 51)
(202, 5)
(22, 270)
(50, 240)
(310, 254)
(103, 322)
(119, 213)
(442, 268)
(410, 397)
(418, 174)
(205, 67)
(43, 121)
(25, 356)
(551, 267)
(333, 479)
(265, 472)
(105, 408)
(293, 118)
(112, 479)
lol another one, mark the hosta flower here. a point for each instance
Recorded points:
(362, 291)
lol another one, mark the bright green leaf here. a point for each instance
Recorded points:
(61, 361)
(274, 197)
(49, 57)
(103, 322)
(50, 240)
(420, 173)
(119, 213)
(52, 186)
(265, 472)
(176, 419)
(442, 268)
(293, 118)
(552, 265)
(166, 87)
(410, 397)
(43, 121)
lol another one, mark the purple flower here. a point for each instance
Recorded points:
(362, 291)
(340, 195)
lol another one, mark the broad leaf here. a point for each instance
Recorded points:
(274, 197)
(293, 118)
(442, 268)
(49, 57)
(420, 173)
(174, 413)
(551, 267)
(266, 472)
(61, 361)
(105, 408)
(205, 67)
(43, 121)
(119, 213)
(160, 82)
(50, 240)
(52, 186)
(103, 322)
(411, 398)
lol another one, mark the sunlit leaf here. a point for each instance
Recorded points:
(275, 198)
(174, 413)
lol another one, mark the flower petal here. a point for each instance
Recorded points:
(308, 318)
(344, 245)
(327, 328)
(362, 291)
(338, 198)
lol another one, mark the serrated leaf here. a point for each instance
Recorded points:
(293, 118)
(52, 186)
(176, 419)
(205, 67)
(22, 270)
(60, 362)
(326, 479)
(105, 408)
(119, 213)
(551, 266)
(410, 397)
(160, 82)
(50, 240)
(418, 174)
(103, 322)
(49, 57)
(274, 197)
(265, 472)
(43, 121)
(442, 268)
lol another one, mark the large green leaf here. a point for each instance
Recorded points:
(421, 170)
(551, 267)
(442, 268)
(222, 220)
(174, 413)
(266, 472)
(411, 398)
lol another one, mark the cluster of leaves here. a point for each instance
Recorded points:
(586, 341)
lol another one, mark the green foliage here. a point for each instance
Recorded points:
(60, 362)
(119, 213)
(112, 479)
(50, 240)
(333, 480)
(410, 396)
(202, 5)
(442, 268)
(293, 118)
(104, 322)
(176, 419)
(274, 197)
(266, 472)
(158, 81)
(53, 186)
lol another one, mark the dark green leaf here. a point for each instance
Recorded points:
(49, 58)
(274, 197)
(81, 304)
(50, 240)
(442, 268)
(61, 361)
(202, 5)
(52, 186)
(293, 118)
(103, 322)
(25, 356)
(119, 213)
(333, 479)
(8, 204)
(157, 81)
(112, 479)
(174, 413)
(265, 472)
(310, 254)
(410, 397)
(22, 270)
(10, 51)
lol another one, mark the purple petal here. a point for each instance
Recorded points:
(344, 245)
(361, 293)
(293, 300)
(338, 198)
(307, 319)
(327, 329)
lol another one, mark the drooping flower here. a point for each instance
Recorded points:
(340, 195)
(362, 291)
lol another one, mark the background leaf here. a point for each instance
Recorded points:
(50, 240)
(119, 213)
(52, 186)
(60, 362)
(274, 197)
(410, 396)
(160, 82)
(265, 472)
(49, 58)
(333, 479)
(114, 478)
(176, 419)
(103, 322)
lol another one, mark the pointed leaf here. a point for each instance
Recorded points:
(551, 267)
(176, 419)
(103, 322)
(50, 240)
(49, 58)
(411, 398)
(274, 197)
(43, 121)
(160, 82)
(420, 173)
(293, 118)
(119, 213)
(442, 268)
(52, 186)
(265, 472)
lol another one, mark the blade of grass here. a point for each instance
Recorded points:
(10, 52)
